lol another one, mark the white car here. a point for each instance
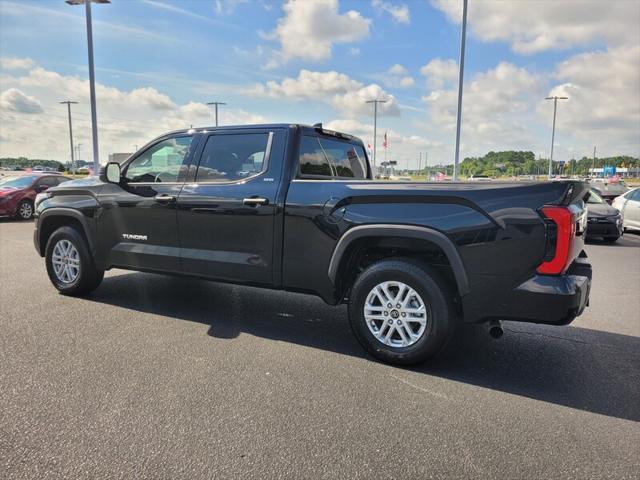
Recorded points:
(629, 206)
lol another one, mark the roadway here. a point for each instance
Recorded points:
(159, 377)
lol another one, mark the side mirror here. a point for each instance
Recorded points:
(112, 172)
(41, 188)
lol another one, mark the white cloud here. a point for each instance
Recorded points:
(14, 63)
(337, 89)
(354, 51)
(604, 98)
(398, 69)
(400, 13)
(77, 89)
(125, 117)
(396, 76)
(439, 72)
(402, 147)
(496, 112)
(310, 28)
(532, 27)
(16, 101)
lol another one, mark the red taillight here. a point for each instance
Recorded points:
(566, 232)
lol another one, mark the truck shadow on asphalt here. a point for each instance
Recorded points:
(585, 369)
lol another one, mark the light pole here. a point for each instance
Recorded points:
(553, 129)
(77, 155)
(215, 104)
(68, 103)
(375, 130)
(463, 37)
(92, 83)
(426, 165)
(593, 166)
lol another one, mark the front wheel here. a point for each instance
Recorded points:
(401, 311)
(70, 266)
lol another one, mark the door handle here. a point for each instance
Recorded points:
(255, 201)
(164, 198)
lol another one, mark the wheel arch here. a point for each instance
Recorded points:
(53, 218)
(395, 236)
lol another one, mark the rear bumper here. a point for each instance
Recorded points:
(548, 299)
(553, 300)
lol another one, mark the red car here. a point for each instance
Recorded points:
(17, 194)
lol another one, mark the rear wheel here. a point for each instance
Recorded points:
(401, 311)
(69, 264)
(24, 210)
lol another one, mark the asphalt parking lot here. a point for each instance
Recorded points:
(159, 377)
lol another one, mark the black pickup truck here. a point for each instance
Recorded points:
(296, 207)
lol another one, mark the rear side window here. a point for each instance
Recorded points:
(232, 157)
(348, 162)
(313, 161)
(323, 157)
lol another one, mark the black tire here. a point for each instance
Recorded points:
(88, 277)
(24, 210)
(433, 290)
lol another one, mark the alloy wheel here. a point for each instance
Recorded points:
(395, 314)
(66, 261)
(26, 210)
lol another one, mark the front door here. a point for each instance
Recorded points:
(226, 212)
(138, 226)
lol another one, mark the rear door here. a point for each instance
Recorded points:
(226, 212)
(138, 224)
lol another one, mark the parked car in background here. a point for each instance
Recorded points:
(629, 206)
(18, 194)
(479, 178)
(603, 220)
(609, 190)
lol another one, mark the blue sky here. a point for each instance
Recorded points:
(159, 61)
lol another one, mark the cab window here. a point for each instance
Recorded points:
(232, 157)
(327, 158)
(348, 160)
(313, 161)
(164, 161)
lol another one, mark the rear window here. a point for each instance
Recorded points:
(323, 157)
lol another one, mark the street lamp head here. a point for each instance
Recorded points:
(81, 2)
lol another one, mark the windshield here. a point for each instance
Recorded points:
(16, 182)
(594, 198)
